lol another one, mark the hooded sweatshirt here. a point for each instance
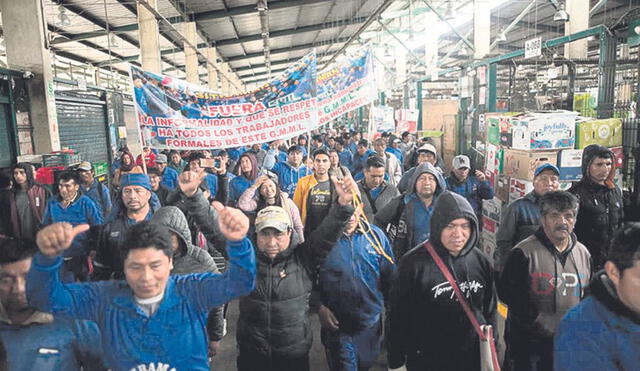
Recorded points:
(535, 305)
(600, 333)
(405, 218)
(428, 327)
(190, 259)
(601, 207)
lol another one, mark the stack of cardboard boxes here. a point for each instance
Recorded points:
(518, 143)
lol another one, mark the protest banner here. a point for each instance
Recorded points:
(346, 85)
(174, 114)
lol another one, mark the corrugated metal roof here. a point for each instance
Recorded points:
(89, 16)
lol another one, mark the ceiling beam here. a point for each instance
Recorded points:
(525, 24)
(116, 58)
(251, 9)
(204, 16)
(292, 31)
(289, 49)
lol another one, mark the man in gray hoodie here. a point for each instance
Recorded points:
(544, 276)
(406, 217)
(189, 259)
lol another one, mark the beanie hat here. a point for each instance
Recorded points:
(133, 179)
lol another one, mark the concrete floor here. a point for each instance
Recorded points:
(226, 359)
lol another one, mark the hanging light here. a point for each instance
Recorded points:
(448, 15)
(63, 18)
(561, 14)
(114, 41)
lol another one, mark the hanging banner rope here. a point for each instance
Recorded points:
(175, 114)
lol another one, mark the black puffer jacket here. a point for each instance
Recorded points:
(274, 318)
(428, 327)
(601, 207)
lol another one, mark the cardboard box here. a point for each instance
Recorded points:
(502, 188)
(585, 104)
(489, 225)
(522, 164)
(544, 130)
(619, 153)
(494, 158)
(489, 244)
(492, 209)
(606, 132)
(498, 126)
(519, 188)
(493, 130)
(570, 164)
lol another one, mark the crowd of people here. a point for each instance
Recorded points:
(373, 235)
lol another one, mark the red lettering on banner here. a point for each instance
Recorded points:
(162, 132)
(145, 120)
(253, 138)
(193, 143)
(235, 109)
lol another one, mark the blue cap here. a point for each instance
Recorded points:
(135, 179)
(544, 167)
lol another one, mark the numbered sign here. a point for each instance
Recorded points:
(533, 48)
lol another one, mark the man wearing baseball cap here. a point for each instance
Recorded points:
(474, 188)
(169, 175)
(522, 218)
(425, 153)
(92, 188)
(274, 331)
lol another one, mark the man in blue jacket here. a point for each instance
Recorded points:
(602, 332)
(169, 175)
(152, 320)
(354, 283)
(474, 188)
(92, 188)
(72, 207)
(360, 156)
(288, 172)
(346, 157)
(36, 340)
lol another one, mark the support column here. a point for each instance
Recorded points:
(578, 11)
(481, 28)
(24, 34)
(212, 73)
(224, 79)
(190, 54)
(149, 39)
(606, 75)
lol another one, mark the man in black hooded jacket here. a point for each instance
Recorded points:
(601, 205)
(428, 327)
